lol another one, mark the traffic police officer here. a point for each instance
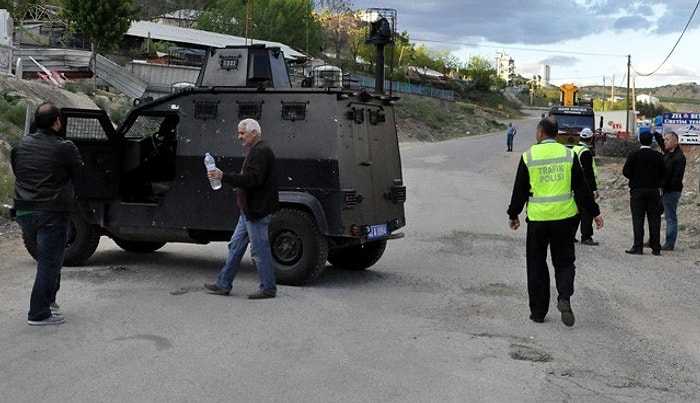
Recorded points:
(590, 173)
(550, 180)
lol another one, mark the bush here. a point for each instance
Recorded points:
(615, 147)
(7, 186)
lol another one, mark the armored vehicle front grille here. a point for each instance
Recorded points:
(249, 110)
(376, 116)
(294, 111)
(205, 110)
(356, 114)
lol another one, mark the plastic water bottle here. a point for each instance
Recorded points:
(211, 165)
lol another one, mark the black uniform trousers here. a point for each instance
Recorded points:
(646, 201)
(555, 235)
(586, 225)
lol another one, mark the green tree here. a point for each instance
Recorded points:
(225, 17)
(104, 22)
(339, 24)
(650, 110)
(481, 73)
(291, 22)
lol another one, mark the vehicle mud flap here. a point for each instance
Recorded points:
(357, 257)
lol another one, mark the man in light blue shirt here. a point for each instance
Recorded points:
(510, 133)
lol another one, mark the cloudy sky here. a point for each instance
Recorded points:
(583, 41)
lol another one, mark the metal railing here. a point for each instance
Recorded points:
(406, 87)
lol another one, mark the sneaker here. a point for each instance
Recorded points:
(589, 241)
(51, 320)
(215, 289)
(567, 316)
(55, 308)
(666, 247)
(260, 295)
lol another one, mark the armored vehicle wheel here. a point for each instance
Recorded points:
(83, 239)
(298, 248)
(138, 246)
(357, 257)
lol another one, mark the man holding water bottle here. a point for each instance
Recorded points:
(257, 198)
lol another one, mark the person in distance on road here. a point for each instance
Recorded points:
(645, 170)
(45, 167)
(257, 198)
(510, 134)
(672, 187)
(590, 172)
(550, 181)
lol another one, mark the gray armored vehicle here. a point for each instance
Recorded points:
(339, 171)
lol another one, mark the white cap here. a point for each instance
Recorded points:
(586, 133)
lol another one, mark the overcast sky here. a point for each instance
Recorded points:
(583, 41)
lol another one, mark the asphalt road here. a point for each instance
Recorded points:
(441, 317)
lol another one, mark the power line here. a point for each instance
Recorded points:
(674, 46)
(517, 48)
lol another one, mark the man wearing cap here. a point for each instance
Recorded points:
(590, 173)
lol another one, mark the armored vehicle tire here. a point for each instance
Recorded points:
(357, 257)
(298, 248)
(83, 239)
(138, 246)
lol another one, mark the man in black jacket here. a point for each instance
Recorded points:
(672, 187)
(45, 167)
(645, 170)
(257, 198)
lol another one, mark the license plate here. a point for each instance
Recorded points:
(378, 231)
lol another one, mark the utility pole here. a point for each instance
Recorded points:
(604, 100)
(249, 22)
(629, 66)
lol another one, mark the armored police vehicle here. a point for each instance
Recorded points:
(339, 171)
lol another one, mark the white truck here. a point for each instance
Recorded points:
(612, 123)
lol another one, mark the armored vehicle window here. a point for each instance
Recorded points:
(144, 126)
(85, 129)
(204, 110)
(293, 111)
(249, 110)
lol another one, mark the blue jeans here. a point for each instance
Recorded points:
(254, 232)
(509, 142)
(49, 231)
(670, 201)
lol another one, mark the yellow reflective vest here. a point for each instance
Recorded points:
(580, 148)
(549, 166)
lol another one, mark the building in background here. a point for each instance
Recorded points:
(544, 75)
(505, 67)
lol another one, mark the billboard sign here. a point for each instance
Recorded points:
(685, 124)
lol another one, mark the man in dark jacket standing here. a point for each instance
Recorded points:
(645, 170)
(672, 187)
(45, 167)
(257, 198)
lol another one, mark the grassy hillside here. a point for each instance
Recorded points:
(18, 98)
